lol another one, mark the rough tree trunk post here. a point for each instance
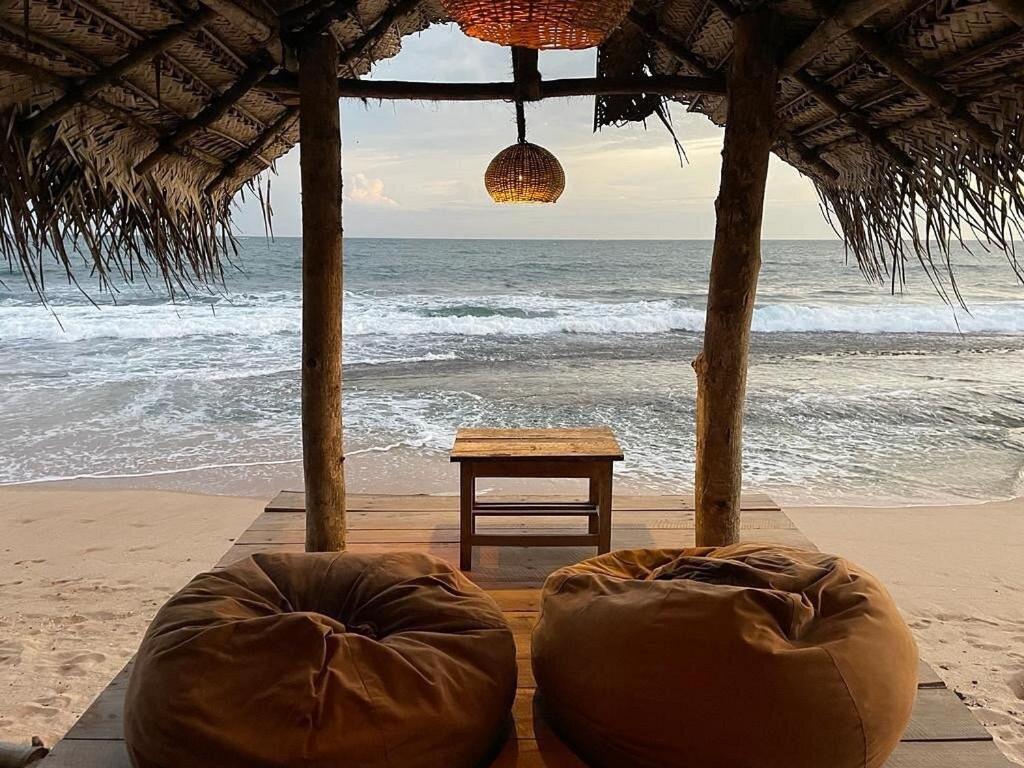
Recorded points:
(722, 365)
(320, 163)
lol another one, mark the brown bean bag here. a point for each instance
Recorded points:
(336, 660)
(738, 657)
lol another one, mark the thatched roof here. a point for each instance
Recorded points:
(128, 125)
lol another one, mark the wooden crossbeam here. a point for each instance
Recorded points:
(664, 85)
(316, 17)
(141, 54)
(389, 17)
(809, 156)
(264, 140)
(1014, 9)
(946, 102)
(654, 31)
(212, 112)
(856, 121)
(850, 16)
(947, 65)
(21, 66)
(257, 19)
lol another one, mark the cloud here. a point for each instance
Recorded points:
(368, 191)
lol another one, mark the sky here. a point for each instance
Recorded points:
(414, 169)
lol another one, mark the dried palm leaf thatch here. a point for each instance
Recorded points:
(906, 114)
(129, 125)
(66, 196)
(908, 120)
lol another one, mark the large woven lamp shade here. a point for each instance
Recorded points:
(572, 24)
(524, 173)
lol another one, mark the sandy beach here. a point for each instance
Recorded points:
(81, 575)
(83, 571)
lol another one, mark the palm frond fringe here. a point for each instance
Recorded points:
(61, 201)
(958, 192)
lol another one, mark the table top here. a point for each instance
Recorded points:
(583, 443)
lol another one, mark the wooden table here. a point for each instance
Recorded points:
(543, 453)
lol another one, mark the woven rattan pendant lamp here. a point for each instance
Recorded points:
(571, 24)
(524, 172)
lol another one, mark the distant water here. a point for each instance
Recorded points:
(854, 394)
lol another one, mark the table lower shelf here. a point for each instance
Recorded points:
(534, 509)
(535, 540)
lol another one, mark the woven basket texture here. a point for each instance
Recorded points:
(524, 173)
(565, 24)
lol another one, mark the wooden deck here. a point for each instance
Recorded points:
(942, 734)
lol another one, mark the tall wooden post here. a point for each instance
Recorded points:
(320, 164)
(722, 365)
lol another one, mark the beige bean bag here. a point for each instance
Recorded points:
(737, 657)
(338, 660)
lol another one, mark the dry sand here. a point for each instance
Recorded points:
(958, 574)
(83, 571)
(81, 575)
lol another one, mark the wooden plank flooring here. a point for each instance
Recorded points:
(942, 734)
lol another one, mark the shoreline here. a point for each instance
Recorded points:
(86, 566)
(406, 470)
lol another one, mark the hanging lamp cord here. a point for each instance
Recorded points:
(521, 121)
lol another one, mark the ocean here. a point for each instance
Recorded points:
(855, 395)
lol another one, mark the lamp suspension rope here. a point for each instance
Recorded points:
(524, 172)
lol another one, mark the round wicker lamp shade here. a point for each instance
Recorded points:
(571, 24)
(524, 173)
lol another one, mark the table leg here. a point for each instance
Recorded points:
(604, 506)
(594, 521)
(467, 498)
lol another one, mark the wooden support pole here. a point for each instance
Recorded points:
(320, 167)
(750, 133)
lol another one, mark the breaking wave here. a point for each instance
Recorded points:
(414, 315)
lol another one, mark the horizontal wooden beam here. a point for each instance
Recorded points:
(91, 85)
(664, 85)
(850, 16)
(206, 116)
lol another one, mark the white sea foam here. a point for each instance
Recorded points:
(257, 317)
